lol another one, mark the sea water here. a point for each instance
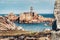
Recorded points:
(34, 26)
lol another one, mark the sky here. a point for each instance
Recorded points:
(19, 6)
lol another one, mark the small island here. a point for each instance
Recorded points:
(29, 17)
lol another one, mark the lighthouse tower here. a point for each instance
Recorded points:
(31, 9)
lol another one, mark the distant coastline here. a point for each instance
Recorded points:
(51, 15)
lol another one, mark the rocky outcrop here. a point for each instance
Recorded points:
(27, 17)
(12, 17)
(6, 24)
(24, 35)
(57, 12)
(55, 35)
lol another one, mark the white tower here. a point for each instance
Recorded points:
(31, 9)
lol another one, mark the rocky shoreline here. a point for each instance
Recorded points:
(6, 24)
(8, 27)
(9, 31)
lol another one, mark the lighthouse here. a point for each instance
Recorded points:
(31, 9)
